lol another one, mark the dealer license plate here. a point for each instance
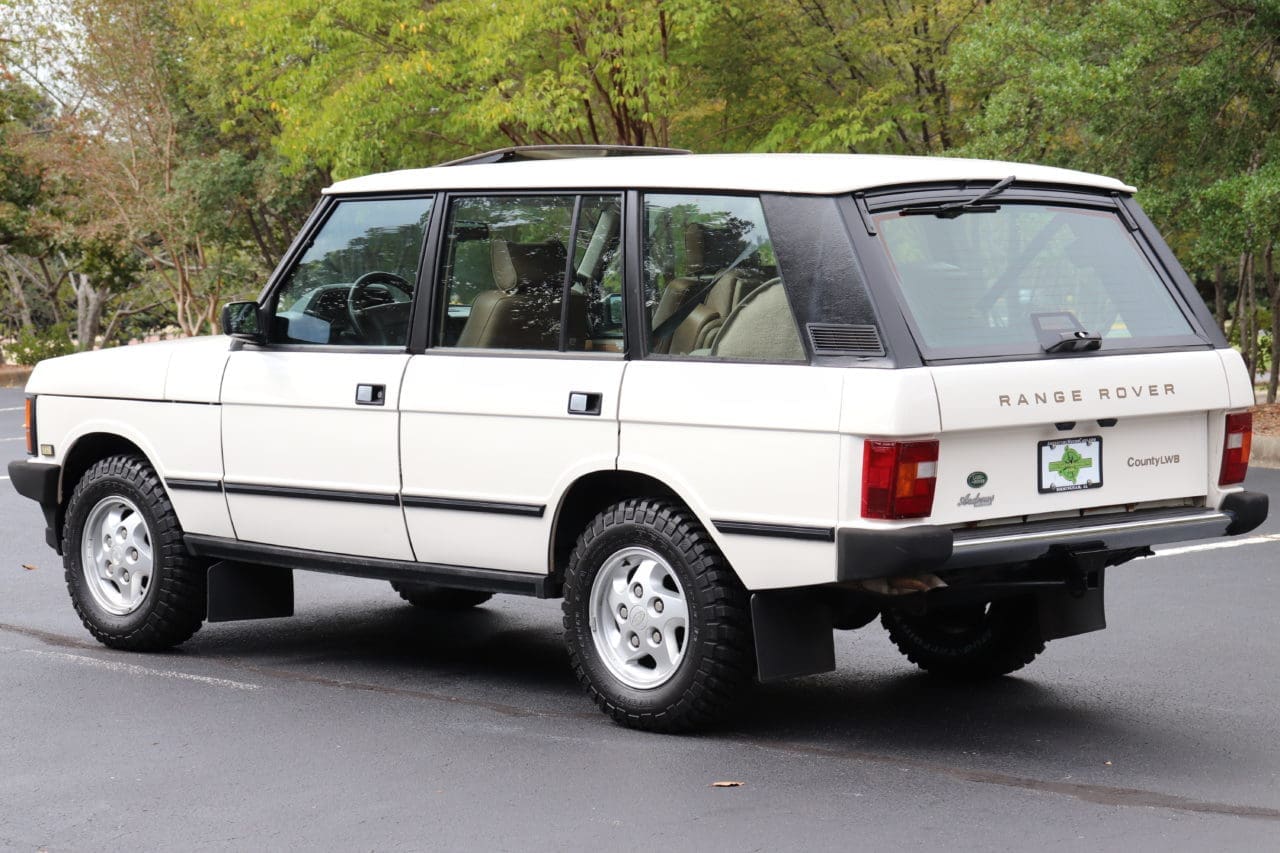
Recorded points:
(1068, 464)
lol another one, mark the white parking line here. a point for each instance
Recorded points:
(19, 438)
(13, 409)
(1214, 546)
(4, 478)
(134, 669)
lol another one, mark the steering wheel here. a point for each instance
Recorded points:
(358, 299)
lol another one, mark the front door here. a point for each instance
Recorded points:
(310, 421)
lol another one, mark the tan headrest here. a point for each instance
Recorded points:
(520, 266)
(709, 248)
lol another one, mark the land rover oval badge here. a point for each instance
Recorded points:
(977, 480)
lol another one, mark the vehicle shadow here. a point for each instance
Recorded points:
(875, 708)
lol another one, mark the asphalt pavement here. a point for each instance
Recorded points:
(362, 723)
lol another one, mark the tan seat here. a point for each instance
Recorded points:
(761, 327)
(708, 251)
(523, 312)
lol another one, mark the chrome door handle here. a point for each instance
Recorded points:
(371, 395)
(584, 403)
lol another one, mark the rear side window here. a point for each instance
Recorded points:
(1005, 282)
(533, 272)
(712, 287)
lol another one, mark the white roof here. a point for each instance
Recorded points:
(808, 174)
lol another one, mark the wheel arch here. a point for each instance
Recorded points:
(588, 495)
(81, 456)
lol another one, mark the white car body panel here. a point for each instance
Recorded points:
(479, 427)
(700, 428)
(290, 419)
(138, 372)
(181, 440)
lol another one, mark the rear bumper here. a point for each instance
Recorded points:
(40, 483)
(864, 554)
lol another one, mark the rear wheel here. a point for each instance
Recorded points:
(128, 572)
(429, 596)
(656, 624)
(969, 643)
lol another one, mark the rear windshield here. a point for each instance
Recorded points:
(1010, 281)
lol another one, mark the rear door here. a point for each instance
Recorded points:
(518, 397)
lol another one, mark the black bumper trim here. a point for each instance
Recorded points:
(40, 483)
(863, 554)
(871, 553)
(1247, 510)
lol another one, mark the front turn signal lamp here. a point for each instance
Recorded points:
(29, 424)
(1235, 449)
(898, 478)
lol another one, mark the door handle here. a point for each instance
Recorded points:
(371, 395)
(584, 403)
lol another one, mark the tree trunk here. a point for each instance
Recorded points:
(1220, 297)
(89, 303)
(1273, 291)
(1243, 312)
(14, 278)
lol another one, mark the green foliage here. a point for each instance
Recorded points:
(36, 345)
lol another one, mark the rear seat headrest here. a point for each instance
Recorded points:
(524, 266)
(710, 248)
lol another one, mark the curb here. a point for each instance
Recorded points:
(14, 377)
(1265, 452)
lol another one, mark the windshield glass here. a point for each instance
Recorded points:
(1012, 280)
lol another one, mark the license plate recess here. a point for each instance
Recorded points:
(1070, 464)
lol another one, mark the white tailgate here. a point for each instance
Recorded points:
(995, 416)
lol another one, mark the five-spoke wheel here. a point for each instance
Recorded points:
(129, 575)
(655, 621)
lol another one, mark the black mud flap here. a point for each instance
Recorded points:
(243, 591)
(794, 633)
(1078, 606)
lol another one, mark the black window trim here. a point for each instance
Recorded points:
(903, 338)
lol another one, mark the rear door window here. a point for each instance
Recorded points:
(1005, 282)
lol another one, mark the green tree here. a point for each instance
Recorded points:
(1180, 97)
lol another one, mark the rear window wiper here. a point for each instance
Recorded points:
(1081, 341)
(952, 209)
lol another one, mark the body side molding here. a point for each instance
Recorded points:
(781, 531)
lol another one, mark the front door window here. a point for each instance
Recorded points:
(354, 285)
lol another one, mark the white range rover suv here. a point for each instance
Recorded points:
(721, 404)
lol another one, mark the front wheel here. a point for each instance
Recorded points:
(129, 575)
(969, 643)
(656, 623)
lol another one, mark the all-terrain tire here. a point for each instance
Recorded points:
(969, 643)
(429, 596)
(716, 661)
(172, 606)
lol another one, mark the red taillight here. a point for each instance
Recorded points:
(1235, 449)
(898, 478)
(29, 425)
